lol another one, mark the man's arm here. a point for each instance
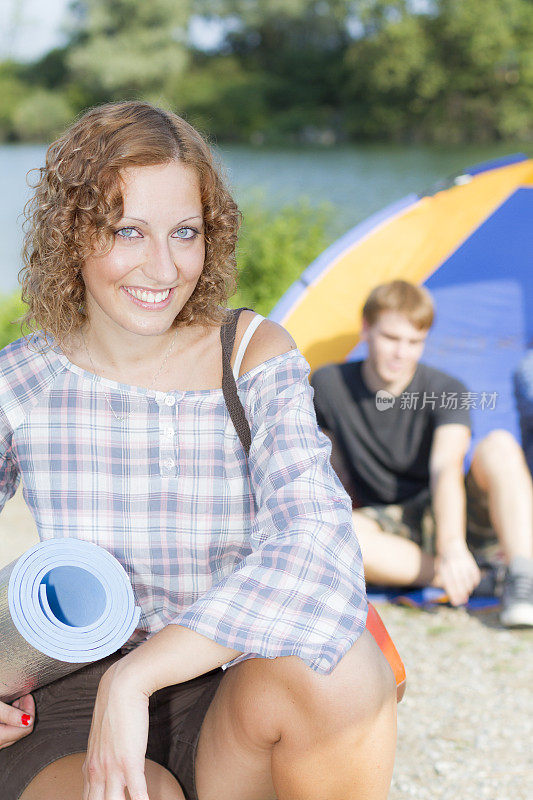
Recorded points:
(339, 464)
(449, 448)
(321, 385)
(455, 567)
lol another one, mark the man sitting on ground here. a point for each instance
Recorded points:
(400, 434)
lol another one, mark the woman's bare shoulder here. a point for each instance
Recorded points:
(269, 339)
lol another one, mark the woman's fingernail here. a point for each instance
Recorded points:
(25, 719)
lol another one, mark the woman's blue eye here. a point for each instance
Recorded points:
(191, 233)
(121, 233)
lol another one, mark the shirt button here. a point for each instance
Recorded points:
(169, 400)
(169, 463)
(169, 432)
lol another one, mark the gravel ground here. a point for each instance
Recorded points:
(465, 725)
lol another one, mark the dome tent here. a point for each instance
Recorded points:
(470, 242)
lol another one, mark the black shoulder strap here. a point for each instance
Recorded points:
(229, 387)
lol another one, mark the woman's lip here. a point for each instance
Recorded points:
(150, 306)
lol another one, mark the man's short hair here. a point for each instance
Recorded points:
(406, 298)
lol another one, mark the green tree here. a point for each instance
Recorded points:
(393, 74)
(294, 51)
(458, 70)
(12, 91)
(42, 114)
(124, 48)
(222, 99)
(487, 49)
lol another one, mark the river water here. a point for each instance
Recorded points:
(357, 180)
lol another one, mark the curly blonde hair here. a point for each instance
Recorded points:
(78, 202)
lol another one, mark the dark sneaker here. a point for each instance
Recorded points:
(492, 580)
(517, 597)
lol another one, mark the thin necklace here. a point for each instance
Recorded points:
(151, 385)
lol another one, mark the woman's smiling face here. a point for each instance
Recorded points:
(159, 246)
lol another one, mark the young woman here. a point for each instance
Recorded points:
(251, 675)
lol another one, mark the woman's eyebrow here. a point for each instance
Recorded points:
(187, 219)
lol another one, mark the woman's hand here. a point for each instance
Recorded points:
(117, 741)
(119, 731)
(16, 720)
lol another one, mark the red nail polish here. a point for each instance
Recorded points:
(25, 719)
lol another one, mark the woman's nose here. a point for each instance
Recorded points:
(160, 265)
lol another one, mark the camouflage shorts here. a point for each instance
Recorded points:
(414, 520)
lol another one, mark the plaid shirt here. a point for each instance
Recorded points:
(261, 558)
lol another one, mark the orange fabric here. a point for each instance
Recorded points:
(375, 625)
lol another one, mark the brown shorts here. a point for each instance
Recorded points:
(414, 520)
(63, 720)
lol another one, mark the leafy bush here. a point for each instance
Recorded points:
(275, 246)
(11, 310)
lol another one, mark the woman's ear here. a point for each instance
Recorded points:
(364, 331)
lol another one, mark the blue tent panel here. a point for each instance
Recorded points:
(494, 163)
(500, 249)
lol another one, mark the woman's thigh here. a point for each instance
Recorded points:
(63, 780)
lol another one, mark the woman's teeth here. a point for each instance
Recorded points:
(148, 297)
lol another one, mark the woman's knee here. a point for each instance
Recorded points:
(356, 692)
(293, 695)
(63, 780)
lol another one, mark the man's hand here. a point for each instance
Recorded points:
(455, 569)
(456, 572)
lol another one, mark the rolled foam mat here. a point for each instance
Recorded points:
(63, 604)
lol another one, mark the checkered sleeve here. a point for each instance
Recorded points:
(301, 589)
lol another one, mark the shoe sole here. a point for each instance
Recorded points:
(519, 616)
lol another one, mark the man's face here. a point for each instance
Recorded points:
(394, 346)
